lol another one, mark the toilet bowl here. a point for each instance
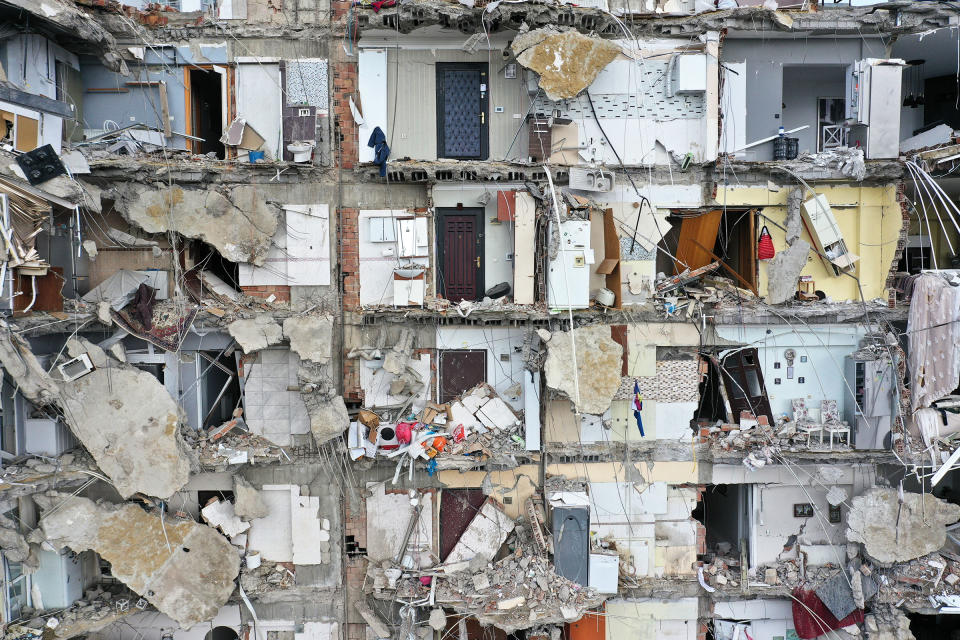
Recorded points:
(301, 150)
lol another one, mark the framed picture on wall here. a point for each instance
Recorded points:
(803, 510)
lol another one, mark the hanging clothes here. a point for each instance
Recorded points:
(934, 330)
(638, 407)
(380, 149)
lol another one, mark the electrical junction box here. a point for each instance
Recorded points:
(690, 75)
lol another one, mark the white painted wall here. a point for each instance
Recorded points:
(651, 523)
(379, 259)
(500, 341)
(385, 534)
(825, 347)
(376, 385)
(372, 84)
(273, 536)
(652, 618)
(774, 521)
(299, 254)
(259, 99)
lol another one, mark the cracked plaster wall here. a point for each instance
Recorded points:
(239, 225)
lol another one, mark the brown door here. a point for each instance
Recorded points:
(457, 509)
(698, 235)
(461, 370)
(460, 254)
(744, 382)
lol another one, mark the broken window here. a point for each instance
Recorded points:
(724, 510)
(462, 104)
(17, 589)
(206, 108)
(209, 260)
(743, 383)
(211, 389)
(934, 627)
(8, 419)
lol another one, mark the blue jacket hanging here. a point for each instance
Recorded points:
(380, 149)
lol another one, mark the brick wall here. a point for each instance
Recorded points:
(281, 291)
(344, 86)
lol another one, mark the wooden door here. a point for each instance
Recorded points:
(744, 383)
(460, 254)
(457, 509)
(698, 236)
(461, 370)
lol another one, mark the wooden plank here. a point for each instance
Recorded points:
(28, 133)
(695, 234)
(164, 109)
(729, 269)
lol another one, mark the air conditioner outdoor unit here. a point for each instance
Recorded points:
(76, 368)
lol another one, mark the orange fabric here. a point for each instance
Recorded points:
(592, 626)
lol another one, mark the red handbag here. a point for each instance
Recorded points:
(765, 249)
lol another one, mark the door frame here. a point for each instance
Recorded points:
(478, 213)
(484, 70)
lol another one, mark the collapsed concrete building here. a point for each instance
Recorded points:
(448, 318)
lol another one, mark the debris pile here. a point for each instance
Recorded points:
(269, 576)
(476, 427)
(99, 607)
(220, 448)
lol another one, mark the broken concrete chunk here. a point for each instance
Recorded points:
(784, 270)
(220, 514)
(257, 333)
(130, 424)
(438, 619)
(248, 504)
(20, 364)
(568, 62)
(311, 337)
(835, 496)
(12, 543)
(895, 532)
(794, 222)
(398, 357)
(188, 579)
(328, 416)
(78, 346)
(598, 359)
(240, 227)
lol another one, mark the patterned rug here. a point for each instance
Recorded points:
(171, 322)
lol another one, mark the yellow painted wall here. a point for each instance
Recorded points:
(525, 477)
(870, 230)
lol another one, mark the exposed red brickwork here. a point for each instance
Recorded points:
(344, 86)
(349, 258)
(901, 246)
(281, 291)
(702, 631)
(355, 520)
(351, 380)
